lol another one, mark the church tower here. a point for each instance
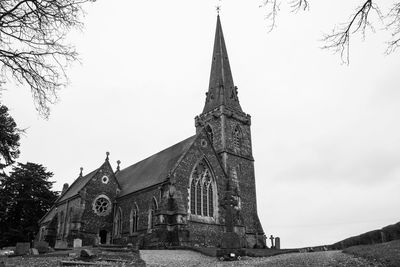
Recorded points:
(228, 128)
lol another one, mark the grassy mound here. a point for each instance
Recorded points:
(387, 253)
(388, 233)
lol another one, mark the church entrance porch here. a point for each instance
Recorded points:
(104, 237)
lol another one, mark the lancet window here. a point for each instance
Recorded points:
(237, 138)
(118, 223)
(202, 191)
(210, 133)
(152, 212)
(134, 220)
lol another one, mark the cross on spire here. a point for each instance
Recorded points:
(218, 8)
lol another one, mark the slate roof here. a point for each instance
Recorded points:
(76, 186)
(154, 169)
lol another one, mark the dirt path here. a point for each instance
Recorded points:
(189, 258)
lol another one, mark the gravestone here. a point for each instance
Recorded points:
(22, 248)
(272, 241)
(41, 246)
(61, 244)
(77, 243)
(383, 237)
(277, 243)
(87, 254)
(34, 251)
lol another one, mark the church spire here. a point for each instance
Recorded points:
(221, 90)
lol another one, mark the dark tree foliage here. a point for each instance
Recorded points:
(359, 21)
(25, 197)
(32, 48)
(9, 138)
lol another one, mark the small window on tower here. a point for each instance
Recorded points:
(237, 138)
(210, 133)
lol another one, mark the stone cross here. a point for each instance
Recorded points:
(272, 241)
(230, 202)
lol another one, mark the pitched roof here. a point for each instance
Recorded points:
(154, 169)
(77, 185)
(221, 90)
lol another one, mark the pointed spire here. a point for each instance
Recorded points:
(221, 90)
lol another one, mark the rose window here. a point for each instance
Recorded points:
(102, 205)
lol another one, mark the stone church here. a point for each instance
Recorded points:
(178, 196)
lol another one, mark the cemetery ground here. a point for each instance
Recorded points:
(387, 253)
(379, 255)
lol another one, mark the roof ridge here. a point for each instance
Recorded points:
(159, 152)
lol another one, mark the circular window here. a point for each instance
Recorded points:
(104, 179)
(102, 205)
(203, 143)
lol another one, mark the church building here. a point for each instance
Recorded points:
(178, 196)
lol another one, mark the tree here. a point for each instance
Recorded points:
(32, 48)
(339, 39)
(25, 197)
(9, 138)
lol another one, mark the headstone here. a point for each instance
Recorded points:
(87, 254)
(77, 243)
(230, 240)
(61, 244)
(41, 246)
(277, 243)
(34, 251)
(272, 241)
(383, 237)
(22, 248)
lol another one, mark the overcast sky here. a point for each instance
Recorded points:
(326, 137)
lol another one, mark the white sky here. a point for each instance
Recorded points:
(326, 137)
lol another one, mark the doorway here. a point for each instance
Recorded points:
(103, 236)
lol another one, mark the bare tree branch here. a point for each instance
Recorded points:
(298, 5)
(394, 26)
(272, 7)
(32, 48)
(339, 39)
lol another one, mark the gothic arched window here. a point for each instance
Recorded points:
(118, 223)
(198, 197)
(210, 133)
(202, 191)
(237, 138)
(152, 213)
(193, 197)
(205, 204)
(134, 219)
(210, 201)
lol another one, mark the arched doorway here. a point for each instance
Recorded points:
(103, 236)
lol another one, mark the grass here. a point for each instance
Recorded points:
(387, 253)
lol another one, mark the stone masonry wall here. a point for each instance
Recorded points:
(91, 222)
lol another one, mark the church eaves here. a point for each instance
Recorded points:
(221, 90)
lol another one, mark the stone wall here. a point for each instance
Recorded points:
(143, 200)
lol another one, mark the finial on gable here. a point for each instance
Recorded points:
(107, 155)
(81, 173)
(118, 162)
